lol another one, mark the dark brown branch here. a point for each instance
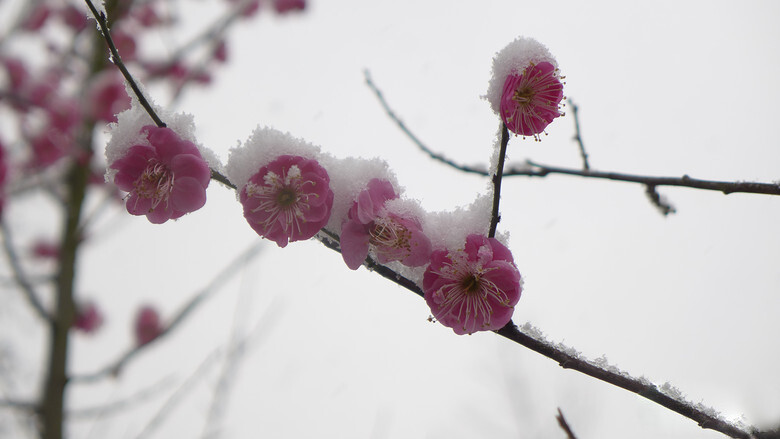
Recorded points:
(727, 187)
(216, 176)
(660, 202)
(117, 60)
(641, 387)
(232, 268)
(495, 216)
(568, 361)
(411, 135)
(577, 135)
(564, 425)
(538, 170)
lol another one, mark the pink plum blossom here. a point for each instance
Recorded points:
(531, 99)
(474, 288)
(88, 318)
(147, 325)
(393, 237)
(165, 178)
(289, 199)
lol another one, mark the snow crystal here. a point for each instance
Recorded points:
(514, 58)
(262, 147)
(449, 229)
(350, 176)
(126, 132)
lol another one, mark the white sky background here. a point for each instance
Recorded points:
(664, 88)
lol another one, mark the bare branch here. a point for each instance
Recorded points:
(568, 359)
(577, 135)
(495, 216)
(20, 277)
(232, 268)
(564, 425)
(117, 60)
(411, 135)
(532, 169)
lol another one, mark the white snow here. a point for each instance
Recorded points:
(126, 132)
(264, 146)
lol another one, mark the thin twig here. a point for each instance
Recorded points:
(567, 360)
(564, 425)
(495, 216)
(641, 387)
(411, 135)
(215, 175)
(230, 270)
(19, 405)
(20, 277)
(660, 202)
(577, 135)
(727, 187)
(122, 405)
(117, 60)
(538, 170)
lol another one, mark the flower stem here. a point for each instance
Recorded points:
(497, 176)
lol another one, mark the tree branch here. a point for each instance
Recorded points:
(564, 425)
(532, 169)
(569, 358)
(495, 216)
(20, 277)
(117, 60)
(578, 139)
(232, 268)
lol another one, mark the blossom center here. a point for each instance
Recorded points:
(389, 233)
(155, 182)
(523, 96)
(286, 197)
(470, 284)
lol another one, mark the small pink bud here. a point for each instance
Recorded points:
(147, 325)
(285, 6)
(88, 318)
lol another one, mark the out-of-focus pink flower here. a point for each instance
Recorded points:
(531, 99)
(220, 52)
(64, 114)
(285, 6)
(147, 16)
(289, 199)
(473, 289)
(250, 9)
(49, 146)
(17, 73)
(45, 250)
(37, 18)
(88, 318)
(164, 179)
(74, 17)
(106, 96)
(125, 44)
(147, 325)
(394, 237)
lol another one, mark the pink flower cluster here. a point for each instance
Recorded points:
(290, 198)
